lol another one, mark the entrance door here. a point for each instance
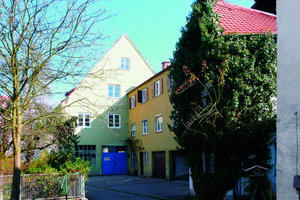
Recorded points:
(114, 160)
(159, 164)
(142, 163)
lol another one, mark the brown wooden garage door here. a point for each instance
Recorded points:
(159, 164)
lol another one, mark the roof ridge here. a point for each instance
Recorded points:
(124, 35)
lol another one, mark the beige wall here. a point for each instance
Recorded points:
(91, 96)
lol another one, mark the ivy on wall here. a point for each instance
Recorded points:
(223, 93)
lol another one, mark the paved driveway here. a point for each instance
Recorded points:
(123, 187)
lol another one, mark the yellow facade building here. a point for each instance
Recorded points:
(153, 150)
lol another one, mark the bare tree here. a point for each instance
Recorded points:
(41, 41)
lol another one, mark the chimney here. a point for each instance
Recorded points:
(165, 64)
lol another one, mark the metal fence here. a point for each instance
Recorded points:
(45, 186)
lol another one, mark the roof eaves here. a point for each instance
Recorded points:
(149, 79)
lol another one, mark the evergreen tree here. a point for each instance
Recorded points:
(223, 97)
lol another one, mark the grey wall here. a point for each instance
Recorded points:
(288, 88)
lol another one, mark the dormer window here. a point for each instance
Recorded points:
(125, 63)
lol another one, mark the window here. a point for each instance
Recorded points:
(211, 163)
(145, 127)
(86, 152)
(143, 95)
(132, 101)
(146, 158)
(169, 81)
(114, 121)
(125, 63)
(114, 91)
(157, 88)
(114, 149)
(133, 159)
(133, 128)
(158, 123)
(108, 149)
(84, 120)
(204, 96)
(208, 161)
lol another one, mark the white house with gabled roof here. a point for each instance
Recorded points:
(100, 103)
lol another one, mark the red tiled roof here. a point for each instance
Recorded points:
(70, 92)
(241, 20)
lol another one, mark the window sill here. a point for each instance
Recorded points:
(83, 127)
(113, 97)
(159, 131)
(114, 128)
(145, 134)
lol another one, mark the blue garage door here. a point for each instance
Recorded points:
(114, 160)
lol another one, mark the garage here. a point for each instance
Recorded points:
(114, 160)
(159, 164)
(180, 168)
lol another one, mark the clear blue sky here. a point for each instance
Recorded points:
(154, 27)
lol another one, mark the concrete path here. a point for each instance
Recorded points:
(123, 187)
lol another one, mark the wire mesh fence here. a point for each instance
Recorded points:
(45, 186)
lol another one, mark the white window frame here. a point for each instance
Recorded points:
(146, 157)
(133, 130)
(145, 127)
(114, 86)
(157, 88)
(144, 95)
(114, 121)
(125, 63)
(86, 118)
(132, 102)
(158, 124)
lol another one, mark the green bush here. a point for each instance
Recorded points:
(50, 163)
(76, 165)
(6, 166)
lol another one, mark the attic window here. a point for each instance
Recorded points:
(125, 63)
(114, 91)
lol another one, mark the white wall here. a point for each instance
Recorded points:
(288, 91)
(91, 95)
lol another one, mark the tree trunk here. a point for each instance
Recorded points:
(1, 185)
(17, 132)
(16, 182)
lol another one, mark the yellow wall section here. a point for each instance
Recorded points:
(153, 141)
